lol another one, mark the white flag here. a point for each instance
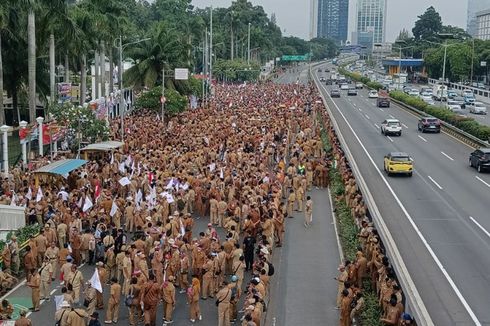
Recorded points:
(58, 300)
(221, 174)
(88, 204)
(14, 200)
(112, 158)
(80, 202)
(124, 181)
(95, 281)
(139, 196)
(39, 195)
(114, 209)
(29, 194)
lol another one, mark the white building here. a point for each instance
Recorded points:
(475, 6)
(371, 20)
(483, 25)
(313, 18)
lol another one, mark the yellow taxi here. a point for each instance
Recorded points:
(398, 163)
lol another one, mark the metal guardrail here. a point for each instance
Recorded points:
(414, 303)
(447, 127)
(478, 91)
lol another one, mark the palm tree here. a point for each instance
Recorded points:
(3, 18)
(31, 58)
(167, 49)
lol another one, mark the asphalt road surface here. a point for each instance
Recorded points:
(446, 202)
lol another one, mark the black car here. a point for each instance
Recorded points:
(429, 124)
(352, 91)
(480, 159)
(328, 82)
(334, 93)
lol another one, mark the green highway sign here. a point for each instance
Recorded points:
(305, 57)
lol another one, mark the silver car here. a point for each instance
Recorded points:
(478, 108)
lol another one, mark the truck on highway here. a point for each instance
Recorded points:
(439, 92)
(383, 100)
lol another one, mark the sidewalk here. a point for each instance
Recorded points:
(303, 291)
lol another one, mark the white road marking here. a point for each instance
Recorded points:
(339, 245)
(422, 138)
(434, 181)
(412, 222)
(381, 109)
(360, 110)
(449, 157)
(376, 125)
(391, 116)
(486, 183)
(481, 227)
(367, 117)
(389, 138)
(354, 104)
(405, 126)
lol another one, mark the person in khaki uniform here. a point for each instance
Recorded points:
(61, 314)
(222, 206)
(308, 211)
(52, 255)
(168, 296)
(46, 272)
(103, 279)
(29, 262)
(77, 317)
(14, 254)
(75, 278)
(112, 313)
(90, 298)
(342, 278)
(291, 200)
(42, 245)
(213, 208)
(300, 197)
(61, 229)
(34, 283)
(207, 279)
(23, 321)
(223, 299)
(193, 294)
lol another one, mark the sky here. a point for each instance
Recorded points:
(293, 15)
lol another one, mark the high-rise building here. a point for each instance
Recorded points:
(371, 22)
(475, 6)
(333, 18)
(483, 25)
(313, 18)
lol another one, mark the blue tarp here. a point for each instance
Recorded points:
(62, 167)
(404, 62)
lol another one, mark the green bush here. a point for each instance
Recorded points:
(174, 104)
(466, 124)
(23, 234)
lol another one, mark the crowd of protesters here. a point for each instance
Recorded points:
(246, 163)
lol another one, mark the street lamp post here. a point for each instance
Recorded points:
(248, 55)
(40, 121)
(4, 129)
(400, 62)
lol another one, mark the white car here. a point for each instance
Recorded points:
(413, 92)
(373, 94)
(478, 108)
(344, 86)
(359, 86)
(467, 93)
(391, 127)
(453, 105)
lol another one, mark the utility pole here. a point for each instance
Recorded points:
(211, 51)
(444, 64)
(472, 58)
(121, 89)
(205, 63)
(163, 94)
(248, 56)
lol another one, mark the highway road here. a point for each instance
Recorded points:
(439, 217)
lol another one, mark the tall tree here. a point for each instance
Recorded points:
(428, 25)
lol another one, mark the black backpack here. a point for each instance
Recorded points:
(271, 269)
